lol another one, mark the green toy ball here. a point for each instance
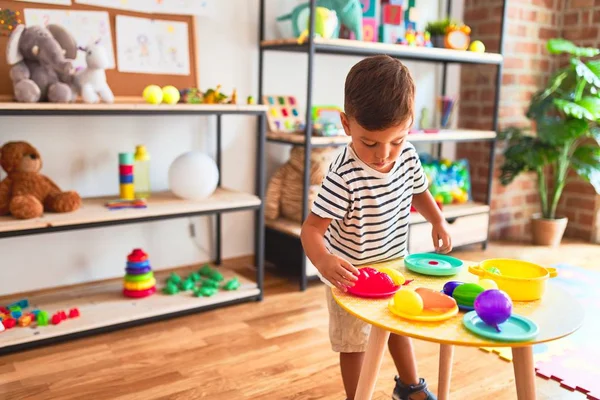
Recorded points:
(153, 94)
(170, 94)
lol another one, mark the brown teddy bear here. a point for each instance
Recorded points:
(25, 193)
(284, 192)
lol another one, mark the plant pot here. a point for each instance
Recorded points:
(548, 232)
(438, 41)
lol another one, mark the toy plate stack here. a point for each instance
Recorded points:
(139, 278)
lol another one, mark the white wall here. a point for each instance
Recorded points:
(82, 155)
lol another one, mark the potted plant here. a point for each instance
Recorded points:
(437, 31)
(565, 137)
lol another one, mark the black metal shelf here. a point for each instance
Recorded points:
(360, 48)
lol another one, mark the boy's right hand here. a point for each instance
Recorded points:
(338, 271)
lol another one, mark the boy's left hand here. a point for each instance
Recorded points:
(439, 233)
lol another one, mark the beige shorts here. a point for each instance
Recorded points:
(347, 333)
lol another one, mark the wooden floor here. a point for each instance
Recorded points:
(277, 349)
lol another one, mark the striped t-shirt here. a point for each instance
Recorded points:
(369, 209)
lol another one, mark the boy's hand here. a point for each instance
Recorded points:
(338, 271)
(439, 233)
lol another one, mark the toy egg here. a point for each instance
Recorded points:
(408, 302)
(466, 293)
(449, 287)
(488, 284)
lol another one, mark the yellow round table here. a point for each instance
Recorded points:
(557, 314)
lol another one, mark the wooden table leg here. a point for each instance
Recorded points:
(445, 371)
(370, 369)
(524, 372)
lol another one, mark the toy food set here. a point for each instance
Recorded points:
(372, 283)
(422, 304)
(433, 264)
(449, 182)
(492, 318)
(522, 280)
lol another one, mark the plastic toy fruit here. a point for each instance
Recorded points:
(450, 286)
(372, 283)
(433, 300)
(153, 94)
(408, 302)
(466, 293)
(477, 46)
(170, 94)
(487, 284)
(396, 275)
(493, 307)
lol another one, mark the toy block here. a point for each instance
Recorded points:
(25, 320)
(42, 318)
(56, 319)
(4, 310)
(370, 30)
(9, 323)
(391, 33)
(73, 313)
(369, 8)
(392, 14)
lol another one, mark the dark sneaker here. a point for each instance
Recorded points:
(420, 391)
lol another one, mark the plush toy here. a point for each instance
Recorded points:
(25, 193)
(348, 12)
(284, 192)
(91, 81)
(40, 59)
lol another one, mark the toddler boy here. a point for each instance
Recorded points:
(362, 211)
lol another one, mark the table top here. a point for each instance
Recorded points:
(557, 314)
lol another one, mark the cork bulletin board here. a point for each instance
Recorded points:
(124, 80)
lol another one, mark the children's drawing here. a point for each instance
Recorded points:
(55, 2)
(180, 7)
(152, 46)
(129, 5)
(86, 26)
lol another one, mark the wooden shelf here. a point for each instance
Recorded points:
(452, 211)
(162, 205)
(126, 107)
(361, 48)
(103, 307)
(293, 228)
(445, 135)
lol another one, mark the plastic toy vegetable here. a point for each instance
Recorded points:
(493, 307)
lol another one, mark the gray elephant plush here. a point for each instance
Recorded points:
(41, 66)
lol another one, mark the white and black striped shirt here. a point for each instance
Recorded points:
(369, 209)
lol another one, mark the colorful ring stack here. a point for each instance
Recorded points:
(126, 186)
(139, 278)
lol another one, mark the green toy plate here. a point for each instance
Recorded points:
(514, 329)
(433, 264)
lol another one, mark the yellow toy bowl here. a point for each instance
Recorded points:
(521, 280)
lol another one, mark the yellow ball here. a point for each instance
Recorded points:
(408, 302)
(170, 94)
(396, 275)
(477, 46)
(153, 94)
(488, 284)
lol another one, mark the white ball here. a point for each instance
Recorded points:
(193, 176)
